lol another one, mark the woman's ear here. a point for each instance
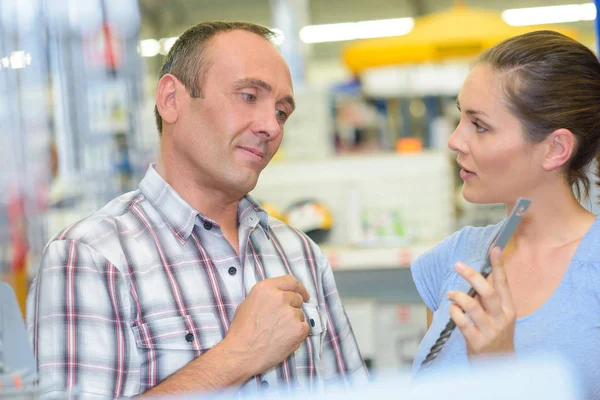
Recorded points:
(560, 145)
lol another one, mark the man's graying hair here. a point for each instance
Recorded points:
(186, 59)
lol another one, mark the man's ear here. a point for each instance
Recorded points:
(166, 99)
(560, 144)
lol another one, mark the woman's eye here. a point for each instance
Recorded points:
(479, 128)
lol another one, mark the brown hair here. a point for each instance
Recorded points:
(550, 82)
(186, 59)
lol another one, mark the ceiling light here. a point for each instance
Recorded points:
(356, 30)
(166, 44)
(278, 38)
(19, 59)
(149, 47)
(550, 15)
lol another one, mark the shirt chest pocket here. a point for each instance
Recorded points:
(196, 333)
(308, 358)
(316, 321)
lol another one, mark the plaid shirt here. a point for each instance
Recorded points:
(131, 294)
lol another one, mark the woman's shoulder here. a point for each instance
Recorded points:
(471, 242)
(589, 248)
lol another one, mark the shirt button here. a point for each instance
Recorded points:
(232, 271)
(312, 322)
(207, 225)
(264, 385)
(189, 337)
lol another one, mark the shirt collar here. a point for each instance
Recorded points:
(180, 215)
(248, 209)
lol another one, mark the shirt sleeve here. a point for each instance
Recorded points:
(341, 357)
(430, 270)
(78, 324)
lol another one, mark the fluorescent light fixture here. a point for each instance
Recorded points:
(149, 47)
(356, 30)
(278, 38)
(166, 44)
(19, 59)
(550, 15)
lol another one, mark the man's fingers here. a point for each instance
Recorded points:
(290, 284)
(300, 315)
(294, 299)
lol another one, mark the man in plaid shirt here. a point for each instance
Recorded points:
(187, 284)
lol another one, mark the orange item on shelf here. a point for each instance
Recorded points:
(409, 145)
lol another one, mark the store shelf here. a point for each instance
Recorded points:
(378, 273)
(391, 285)
(368, 258)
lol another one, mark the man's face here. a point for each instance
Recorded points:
(229, 135)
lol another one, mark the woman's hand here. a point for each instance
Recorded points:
(492, 312)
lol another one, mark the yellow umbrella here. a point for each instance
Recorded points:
(454, 33)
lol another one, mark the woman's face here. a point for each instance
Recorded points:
(497, 164)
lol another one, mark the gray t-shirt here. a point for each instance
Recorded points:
(567, 324)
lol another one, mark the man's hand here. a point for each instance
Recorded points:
(269, 324)
(267, 327)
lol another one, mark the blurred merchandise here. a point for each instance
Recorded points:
(25, 131)
(362, 315)
(310, 217)
(306, 131)
(359, 126)
(18, 375)
(415, 80)
(410, 197)
(409, 145)
(400, 329)
(17, 364)
(97, 97)
(442, 128)
(470, 214)
(383, 227)
(397, 121)
(272, 210)
(70, 99)
(388, 334)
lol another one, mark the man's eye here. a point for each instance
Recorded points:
(281, 115)
(249, 97)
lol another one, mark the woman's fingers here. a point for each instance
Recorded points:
(473, 308)
(469, 331)
(487, 293)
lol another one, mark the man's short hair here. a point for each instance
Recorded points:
(186, 59)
